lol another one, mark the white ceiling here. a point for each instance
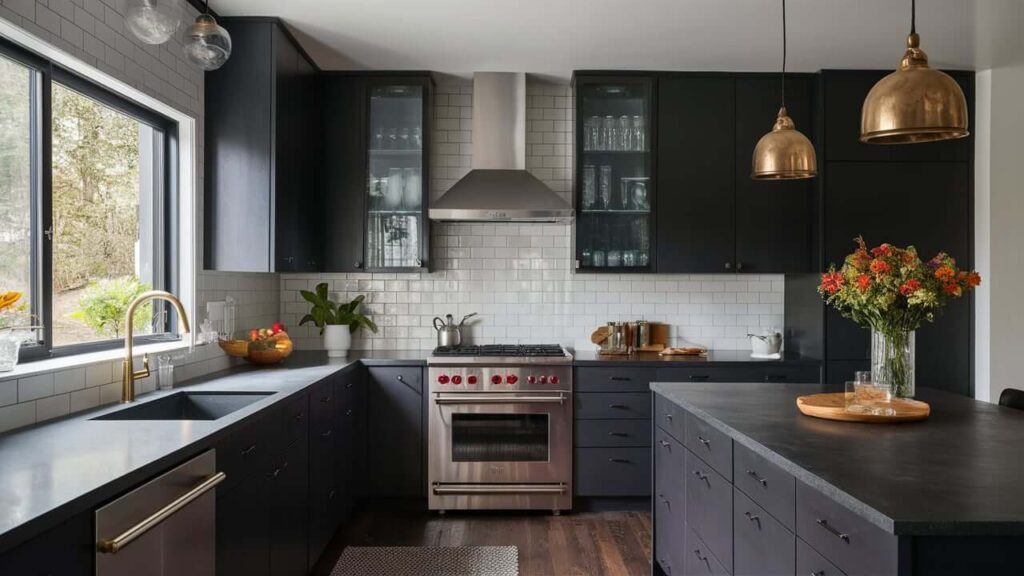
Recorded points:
(554, 37)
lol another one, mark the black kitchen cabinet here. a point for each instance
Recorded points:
(66, 550)
(376, 172)
(696, 173)
(616, 195)
(288, 495)
(243, 528)
(262, 206)
(395, 428)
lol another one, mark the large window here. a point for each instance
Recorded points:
(85, 205)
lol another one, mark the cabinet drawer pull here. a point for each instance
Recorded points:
(327, 434)
(325, 399)
(300, 416)
(771, 377)
(618, 406)
(701, 476)
(753, 474)
(703, 559)
(248, 451)
(704, 441)
(349, 384)
(401, 378)
(699, 376)
(348, 412)
(818, 573)
(619, 434)
(753, 518)
(841, 535)
(620, 378)
(668, 417)
(330, 495)
(664, 443)
(663, 499)
(620, 460)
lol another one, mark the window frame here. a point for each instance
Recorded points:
(44, 72)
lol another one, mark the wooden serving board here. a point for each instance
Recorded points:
(833, 407)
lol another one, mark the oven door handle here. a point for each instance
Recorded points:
(500, 489)
(481, 399)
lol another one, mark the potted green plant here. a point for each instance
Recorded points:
(337, 322)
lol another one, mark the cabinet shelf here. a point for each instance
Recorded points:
(617, 212)
(401, 152)
(386, 212)
(634, 152)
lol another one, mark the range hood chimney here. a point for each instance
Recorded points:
(498, 188)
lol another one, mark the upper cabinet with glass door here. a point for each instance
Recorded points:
(614, 188)
(396, 232)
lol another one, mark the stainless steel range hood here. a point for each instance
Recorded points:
(498, 188)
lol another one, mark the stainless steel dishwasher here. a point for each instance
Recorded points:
(166, 527)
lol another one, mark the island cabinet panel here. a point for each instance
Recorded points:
(854, 544)
(394, 426)
(670, 418)
(709, 508)
(669, 502)
(66, 550)
(710, 445)
(808, 561)
(766, 484)
(699, 560)
(762, 544)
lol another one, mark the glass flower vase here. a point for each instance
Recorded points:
(10, 344)
(892, 361)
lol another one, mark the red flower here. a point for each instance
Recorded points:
(863, 282)
(952, 288)
(880, 266)
(883, 250)
(861, 259)
(945, 273)
(831, 282)
(973, 279)
(909, 287)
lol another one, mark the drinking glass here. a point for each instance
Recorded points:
(623, 199)
(609, 134)
(604, 188)
(393, 196)
(417, 138)
(403, 138)
(165, 372)
(411, 197)
(589, 187)
(639, 134)
(594, 141)
(599, 261)
(614, 258)
(586, 258)
(629, 258)
(639, 196)
(378, 139)
(625, 133)
(392, 139)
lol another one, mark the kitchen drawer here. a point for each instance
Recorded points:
(602, 405)
(613, 471)
(669, 475)
(296, 418)
(851, 542)
(244, 451)
(410, 376)
(670, 542)
(322, 405)
(698, 559)
(762, 546)
(765, 483)
(709, 508)
(710, 445)
(670, 417)
(808, 561)
(612, 433)
(810, 374)
(705, 373)
(614, 379)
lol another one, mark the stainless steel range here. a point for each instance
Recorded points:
(500, 427)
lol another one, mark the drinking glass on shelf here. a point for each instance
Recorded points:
(629, 258)
(604, 188)
(403, 138)
(417, 138)
(393, 195)
(586, 258)
(588, 133)
(411, 196)
(378, 139)
(639, 134)
(598, 257)
(589, 186)
(392, 139)
(594, 142)
(625, 133)
(608, 133)
(639, 195)
(623, 199)
(614, 258)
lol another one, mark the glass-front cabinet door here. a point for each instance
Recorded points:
(614, 189)
(396, 225)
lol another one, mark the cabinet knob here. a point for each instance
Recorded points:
(728, 265)
(739, 265)
(359, 264)
(289, 259)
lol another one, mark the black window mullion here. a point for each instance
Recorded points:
(44, 176)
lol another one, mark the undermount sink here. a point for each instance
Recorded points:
(187, 406)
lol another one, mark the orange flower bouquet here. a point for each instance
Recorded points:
(893, 292)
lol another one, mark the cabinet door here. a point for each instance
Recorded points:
(397, 175)
(614, 166)
(66, 550)
(343, 172)
(696, 172)
(324, 495)
(919, 203)
(352, 426)
(288, 500)
(773, 217)
(395, 417)
(298, 212)
(243, 529)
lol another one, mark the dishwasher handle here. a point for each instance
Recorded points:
(113, 545)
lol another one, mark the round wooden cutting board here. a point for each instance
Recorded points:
(833, 407)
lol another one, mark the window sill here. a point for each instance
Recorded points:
(85, 359)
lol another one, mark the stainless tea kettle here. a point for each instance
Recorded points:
(448, 332)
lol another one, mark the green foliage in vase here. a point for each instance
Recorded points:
(326, 312)
(104, 303)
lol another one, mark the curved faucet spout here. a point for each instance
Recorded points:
(128, 372)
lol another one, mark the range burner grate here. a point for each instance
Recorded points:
(550, 350)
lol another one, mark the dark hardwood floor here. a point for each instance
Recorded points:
(583, 544)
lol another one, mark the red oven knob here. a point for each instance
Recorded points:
(553, 379)
(531, 379)
(456, 379)
(543, 379)
(512, 379)
(471, 379)
(442, 379)
(496, 379)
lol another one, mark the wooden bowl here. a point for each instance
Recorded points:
(269, 351)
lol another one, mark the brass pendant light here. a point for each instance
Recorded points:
(784, 153)
(915, 103)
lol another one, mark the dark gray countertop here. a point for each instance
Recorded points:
(54, 470)
(959, 472)
(592, 358)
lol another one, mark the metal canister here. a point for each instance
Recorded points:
(642, 332)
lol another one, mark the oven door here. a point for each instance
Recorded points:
(500, 437)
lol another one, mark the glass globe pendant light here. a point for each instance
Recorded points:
(784, 153)
(152, 21)
(207, 44)
(916, 103)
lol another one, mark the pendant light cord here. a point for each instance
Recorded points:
(783, 53)
(913, 16)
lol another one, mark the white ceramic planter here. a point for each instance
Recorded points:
(337, 340)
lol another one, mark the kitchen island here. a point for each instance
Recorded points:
(746, 484)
